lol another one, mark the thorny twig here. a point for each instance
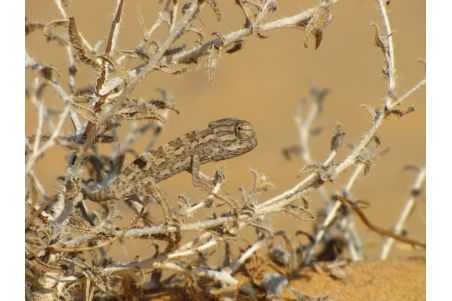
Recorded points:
(192, 55)
(313, 181)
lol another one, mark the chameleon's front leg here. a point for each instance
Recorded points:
(202, 181)
(208, 184)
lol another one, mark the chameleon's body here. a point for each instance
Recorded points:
(221, 140)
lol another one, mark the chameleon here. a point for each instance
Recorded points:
(221, 140)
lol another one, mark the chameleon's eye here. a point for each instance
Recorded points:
(243, 131)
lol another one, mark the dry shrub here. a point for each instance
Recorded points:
(68, 240)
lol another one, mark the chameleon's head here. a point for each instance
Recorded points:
(235, 137)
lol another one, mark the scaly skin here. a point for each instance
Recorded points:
(221, 140)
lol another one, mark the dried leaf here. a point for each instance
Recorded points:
(48, 72)
(424, 64)
(300, 213)
(260, 35)
(401, 113)
(280, 256)
(326, 173)
(72, 70)
(212, 62)
(85, 112)
(166, 15)
(84, 91)
(76, 43)
(377, 140)
(316, 25)
(370, 111)
(71, 142)
(164, 105)
(245, 11)
(272, 6)
(338, 137)
(367, 166)
(261, 182)
(296, 150)
(318, 38)
(236, 47)
(316, 130)
(197, 31)
(366, 158)
(117, 70)
(379, 40)
(213, 4)
(412, 167)
(168, 70)
(53, 37)
(143, 53)
(80, 98)
(32, 26)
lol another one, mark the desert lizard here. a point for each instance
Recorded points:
(221, 140)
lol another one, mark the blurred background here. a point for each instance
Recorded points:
(263, 83)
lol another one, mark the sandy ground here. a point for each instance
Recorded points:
(395, 280)
(401, 279)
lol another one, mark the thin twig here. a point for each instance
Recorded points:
(389, 53)
(409, 206)
(376, 228)
(49, 143)
(192, 55)
(247, 254)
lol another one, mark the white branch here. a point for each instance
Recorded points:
(389, 55)
(49, 143)
(409, 206)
